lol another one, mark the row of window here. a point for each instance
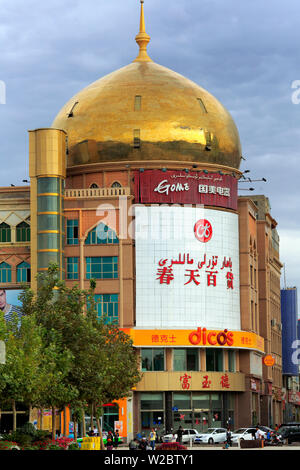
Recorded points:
(23, 272)
(97, 267)
(187, 359)
(22, 232)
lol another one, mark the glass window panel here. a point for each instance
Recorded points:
(179, 359)
(231, 361)
(192, 362)
(146, 360)
(49, 185)
(182, 400)
(48, 222)
(201, 401)
(158, 359)
(5, 233)
(152, 401)
(23, 232)
(48, 204)
(5, 272)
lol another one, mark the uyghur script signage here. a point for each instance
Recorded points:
(169, 187)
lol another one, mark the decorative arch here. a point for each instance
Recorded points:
(23, 232)
(23, 272)
(116, 184)
(101, 235)
(5, 233)
(5, 272)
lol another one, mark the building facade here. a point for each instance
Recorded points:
(135, 185)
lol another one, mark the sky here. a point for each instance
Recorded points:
(246, 53)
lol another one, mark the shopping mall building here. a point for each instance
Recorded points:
(135, 184)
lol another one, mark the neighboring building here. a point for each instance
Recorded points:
(290, 357)
(135, 185)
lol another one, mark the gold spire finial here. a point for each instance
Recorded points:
(142, 39)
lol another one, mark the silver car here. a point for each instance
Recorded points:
(211, 436)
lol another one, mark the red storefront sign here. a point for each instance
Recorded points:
(171, 187)
(294, 397)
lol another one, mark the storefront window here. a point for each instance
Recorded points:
(182, 400)
(153, 360)
(185, 359)
(214, 360)
(201, 401)
(152, 401)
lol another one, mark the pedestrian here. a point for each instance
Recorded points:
(179, 435)
(253, 432)
(259, 434)
(228, 437)
(134, 444)
(109, 441)
(143, 444)
(152, 439)
(116, 439)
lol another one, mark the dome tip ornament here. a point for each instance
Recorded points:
(142, 39)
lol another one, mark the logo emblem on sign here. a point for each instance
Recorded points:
(203, 230)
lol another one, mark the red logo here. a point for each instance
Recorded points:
(203, 230)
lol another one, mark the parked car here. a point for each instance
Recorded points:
(243, 434)
(211, 436)
(289, 433)
(187, 436)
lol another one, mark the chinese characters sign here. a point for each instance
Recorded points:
(199, 337)
(211, 189)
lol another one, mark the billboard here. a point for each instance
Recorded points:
(210, 189)
(187, 268)
(9, 302)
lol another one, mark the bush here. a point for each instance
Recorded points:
(171, 446)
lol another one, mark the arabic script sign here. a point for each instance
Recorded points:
(211, 189)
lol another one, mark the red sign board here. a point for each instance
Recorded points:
(171, 187)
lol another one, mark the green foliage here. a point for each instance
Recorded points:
(62, 354)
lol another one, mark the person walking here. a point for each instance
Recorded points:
(228, 437)
(152, 439)
(116, 439)
(179, 435)
(109, 441)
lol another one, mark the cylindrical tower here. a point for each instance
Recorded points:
(47, 160)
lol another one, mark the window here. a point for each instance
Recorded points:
(5, 272)
(23, 272)
(94, 186)
(5, 233)
(231, 361)
(153, 359)
(214, 360)
(72, 268)
(102, 267)
(136, 138)
(185, 359)
(137, 103)
(116, 184)
(107, 305)
(23, 232)
(101, 235)
(72, 232)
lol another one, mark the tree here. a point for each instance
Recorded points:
(101, 364)
(20, 375)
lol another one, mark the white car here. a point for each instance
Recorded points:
(187, 436)
(245, 434)
(211, 436)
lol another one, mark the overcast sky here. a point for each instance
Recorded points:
(246, 53)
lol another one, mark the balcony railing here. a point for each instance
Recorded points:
(97, 192)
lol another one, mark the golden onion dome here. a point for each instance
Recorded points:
(145, 111)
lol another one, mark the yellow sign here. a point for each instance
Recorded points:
(200, 337)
